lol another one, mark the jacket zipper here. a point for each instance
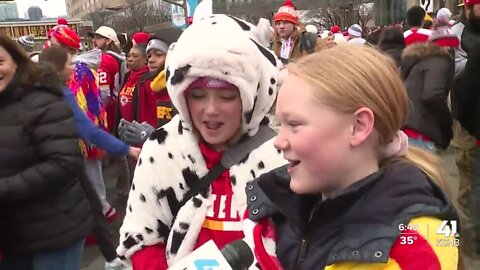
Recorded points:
(304, 244)
(303, 254)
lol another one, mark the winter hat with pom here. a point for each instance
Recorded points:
(66, 36)
(27, 41)
(287, 12)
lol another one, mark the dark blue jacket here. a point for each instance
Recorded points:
(91, 133)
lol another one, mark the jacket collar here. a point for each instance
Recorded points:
(425, 49)
(380, 204)
(277, 197)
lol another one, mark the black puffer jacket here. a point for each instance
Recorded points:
(466, 95)
(428, 71)
(359, 225)
(42, 205)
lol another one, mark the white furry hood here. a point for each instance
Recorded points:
(229, 49)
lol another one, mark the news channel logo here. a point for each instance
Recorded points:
(446, 234)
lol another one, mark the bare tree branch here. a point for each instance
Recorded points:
(101, 17)
(138, 13)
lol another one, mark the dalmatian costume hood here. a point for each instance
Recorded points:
(171, 163)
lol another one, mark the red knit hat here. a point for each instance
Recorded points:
(287, 12)
(66, 36)
(141, 38)
(62, 21)
(470, 3)
(335, 29)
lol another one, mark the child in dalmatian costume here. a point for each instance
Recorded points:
(217, 53)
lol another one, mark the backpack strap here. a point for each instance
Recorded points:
(121, 70)
(231, 157)
(204, 183)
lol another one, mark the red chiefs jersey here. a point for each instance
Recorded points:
(223, 223)
(109, 74)
(110, 81)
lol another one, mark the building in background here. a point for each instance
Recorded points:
(389, 11)
(35, 13)
(8, 10)
(81, 8)
(39, 29)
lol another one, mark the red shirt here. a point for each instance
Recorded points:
(223, 223)
(109, 81)
(108, 74)
(125, 97)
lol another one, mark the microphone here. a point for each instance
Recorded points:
(238, 254)
(234, 256)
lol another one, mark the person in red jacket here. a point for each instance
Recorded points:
(110, 73)
(152, 107)
(137, 64)
(147, 115)
(155, 108)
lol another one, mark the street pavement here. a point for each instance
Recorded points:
(93, 259)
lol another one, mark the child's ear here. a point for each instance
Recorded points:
(363, 127)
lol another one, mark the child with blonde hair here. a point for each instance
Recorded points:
(354, 194)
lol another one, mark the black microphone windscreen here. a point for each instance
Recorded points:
(238, 254)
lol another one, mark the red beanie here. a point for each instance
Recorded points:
(470, 3)
(66, 36)
(287, 12)
(141, 38)
(335, 29)
(62, 21)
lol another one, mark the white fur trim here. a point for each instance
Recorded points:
(248, 226)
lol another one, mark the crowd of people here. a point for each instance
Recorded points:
(318, 149)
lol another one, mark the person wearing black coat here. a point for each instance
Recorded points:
(468, 114)
(44, 214)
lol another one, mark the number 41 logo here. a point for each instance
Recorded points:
(448, 228)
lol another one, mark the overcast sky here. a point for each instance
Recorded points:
(50, 8)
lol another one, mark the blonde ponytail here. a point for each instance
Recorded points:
(433, 167)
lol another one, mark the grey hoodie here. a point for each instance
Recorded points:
(91, 58)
